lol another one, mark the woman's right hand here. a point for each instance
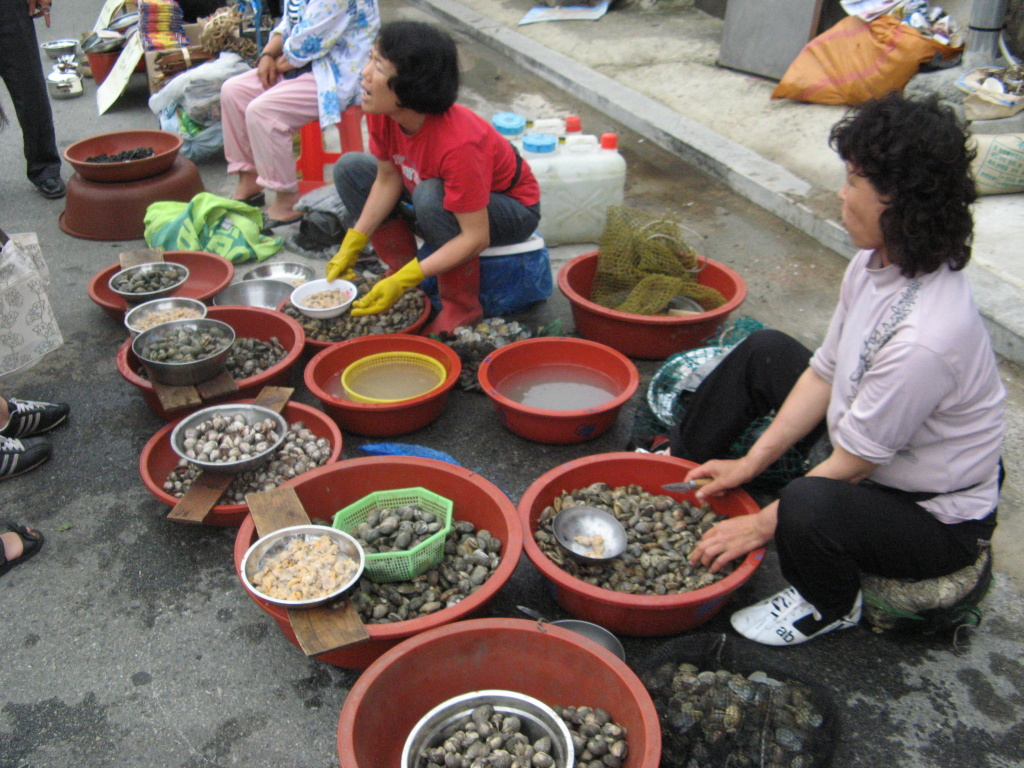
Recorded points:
(725, 475)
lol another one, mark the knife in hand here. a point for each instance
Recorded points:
(691, 485)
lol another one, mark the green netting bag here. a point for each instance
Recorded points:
(644, 264)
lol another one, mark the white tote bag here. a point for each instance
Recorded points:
(28, 329)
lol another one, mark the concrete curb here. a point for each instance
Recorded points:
(767, 184)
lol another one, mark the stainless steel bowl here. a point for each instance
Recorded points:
(135, 319)
(184, 373)
(537, 718)
(57, 48)
(290, 272)
(572, 527)
(252, 414)
(117, 279)
(272, 542)
(595, 632)
(254, 293)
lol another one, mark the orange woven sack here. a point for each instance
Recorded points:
(856, 60)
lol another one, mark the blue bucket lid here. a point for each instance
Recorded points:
(509, 123)
(540, 142)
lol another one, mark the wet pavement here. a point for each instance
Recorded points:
(129, 642)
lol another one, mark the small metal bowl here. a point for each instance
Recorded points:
(184, 373)
(136, 319)
(300, 294)
(57, 48)
(583, 521)
(594, 632)
(273, 541)
(253, 414)
(117, 280)
(536, 717)
(290, 272)
(254, 293)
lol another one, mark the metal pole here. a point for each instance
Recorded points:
(988, 17)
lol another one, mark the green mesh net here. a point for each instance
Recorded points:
(644, 264)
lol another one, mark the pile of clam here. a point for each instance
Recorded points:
(251, 357)
(395, 529)
(725, 718)
(400, 316)
(301, 451)
(473, 343)
(156, 278)
(470, 558)
(488, 739)
(229, 439)
(597, 740)
(185, 345)
(661, 533)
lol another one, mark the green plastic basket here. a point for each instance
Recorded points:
(407, 563)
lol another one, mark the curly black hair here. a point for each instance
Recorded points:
(915, 153)
(427, 65)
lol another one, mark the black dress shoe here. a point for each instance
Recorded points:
(51, 188)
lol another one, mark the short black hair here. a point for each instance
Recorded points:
(916, 154)
(427, 65)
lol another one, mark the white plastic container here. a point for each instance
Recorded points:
(578, 181)
(559, 127)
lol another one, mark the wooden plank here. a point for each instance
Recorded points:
(322, 628)
(176, 398)
(221, 384)
(275, 398)
(200, 497)
(140, 256)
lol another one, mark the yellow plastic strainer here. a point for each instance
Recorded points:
(390, 377)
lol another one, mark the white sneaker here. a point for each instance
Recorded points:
(787, 619)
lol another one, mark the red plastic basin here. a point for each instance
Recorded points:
(644, 336)
(158, 459)
(554, 665)
(551, 426)
(325, 490)
(381, 419)
(208, 275)
(165, 145)
(622, 613)
(248, 322)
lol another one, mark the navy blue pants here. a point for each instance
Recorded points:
(22, 73)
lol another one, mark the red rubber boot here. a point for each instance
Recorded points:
(459, 289)
(394, 243)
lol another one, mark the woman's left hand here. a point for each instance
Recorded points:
(734, 538)
(267, 69)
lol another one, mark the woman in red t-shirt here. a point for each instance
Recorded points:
(466, 185)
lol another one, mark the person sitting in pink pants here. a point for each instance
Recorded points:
(308, 70)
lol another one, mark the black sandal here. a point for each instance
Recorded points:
(31, 542)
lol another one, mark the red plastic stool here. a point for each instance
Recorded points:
(312, 157)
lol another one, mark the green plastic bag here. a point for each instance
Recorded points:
(229, 228)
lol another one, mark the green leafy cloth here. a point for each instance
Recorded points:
(229, 228)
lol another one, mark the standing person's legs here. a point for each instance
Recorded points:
(271, 119)
(753, 380)
(21, 70)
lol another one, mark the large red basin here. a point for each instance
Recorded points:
(248, 322)
(645, 336)
(554, 665)
(158, 459)
(325, 490)
(381, 419)
(208, 275)
(622, 613)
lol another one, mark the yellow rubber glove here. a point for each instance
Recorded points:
(343, 261)
(388, 290)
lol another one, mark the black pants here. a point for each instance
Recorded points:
(829, 531)
(22, 73)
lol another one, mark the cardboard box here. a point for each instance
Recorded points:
(155, 76)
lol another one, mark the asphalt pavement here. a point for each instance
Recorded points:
(130, 642)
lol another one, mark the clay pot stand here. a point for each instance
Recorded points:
(175, 398)
(321, 628)
(207, 489)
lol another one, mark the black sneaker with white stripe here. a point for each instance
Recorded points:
(31, 417)
(17, 456)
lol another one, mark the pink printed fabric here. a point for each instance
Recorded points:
(915, 386)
